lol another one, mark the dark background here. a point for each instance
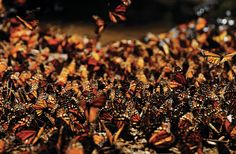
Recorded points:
(143, 16)
(140, 12)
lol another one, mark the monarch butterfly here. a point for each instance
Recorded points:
(216, 59)
(40, 105)
(30, 25)
(112, 137)
(30, 20)
(118, 13)
(162, 137)
(100, 23)
(75, 147)
(26, 136)
(126, 2)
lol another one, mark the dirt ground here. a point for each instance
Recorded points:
(111, 33)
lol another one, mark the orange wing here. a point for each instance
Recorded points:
(228, 57)
(30, 25)
(211, 57)
(100, 23)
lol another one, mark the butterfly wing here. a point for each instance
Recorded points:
(29, 24)
(211, 57)
(100, 24)
(118, 14)
(126, 2)
(228, 57)
(29, 19)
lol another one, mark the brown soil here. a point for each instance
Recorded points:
(111, 33)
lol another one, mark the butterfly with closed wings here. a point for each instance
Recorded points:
(30, 18)
(100, 24)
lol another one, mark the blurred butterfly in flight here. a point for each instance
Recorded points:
(29, 20)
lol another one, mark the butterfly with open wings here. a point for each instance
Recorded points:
(216, 59)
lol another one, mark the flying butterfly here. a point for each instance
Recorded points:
(126, 2)
(118, 13)
(100, 24)
(216, 59)
(30, 25)
(29, 20)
